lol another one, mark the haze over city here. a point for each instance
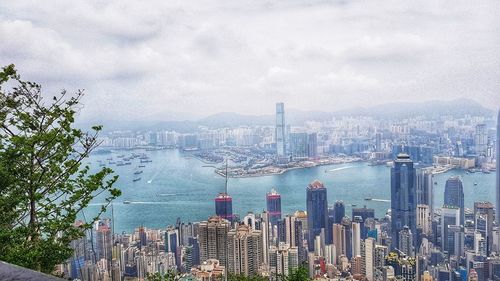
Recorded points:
(150, 60)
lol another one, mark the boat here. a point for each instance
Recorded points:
(142, 166)
(137, 172)
(136, 179)
(126, 202)
(475, 183)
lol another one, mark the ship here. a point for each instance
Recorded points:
(142, 166)
(137, 172)
(126, 202)
(136, 179)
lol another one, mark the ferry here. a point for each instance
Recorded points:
(137, 179)
(137, 172)
(126, 202)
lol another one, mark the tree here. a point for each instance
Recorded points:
(43, 182)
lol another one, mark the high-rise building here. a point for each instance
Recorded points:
(299, 145)
(454, 195)
(406, 241)
(403, 197)
(245, 254)
(339, 239)
(224, 207)
(423, 218)
(497, 158)
(364, 213)
(424, 186)
(212, 235)
(486, 212)
(283, 259)
(368, 258)
(356, 238)
(338, 211)
(280, 131)
(480, 140)
(273, 200)
(312, 145)
(104, 240)
(317, 212)
(450, 215)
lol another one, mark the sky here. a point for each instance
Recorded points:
(183, 59)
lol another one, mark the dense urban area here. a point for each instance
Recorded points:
(412, 241)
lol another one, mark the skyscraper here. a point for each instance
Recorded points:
(273, 200)
(450, 215)
(338, 211)
(224, 206)
(497, 148)
(212, 235)
(454, 195)
(245, 254)
(280, 130)
(403, 197)
(317, 212)
(299, 145)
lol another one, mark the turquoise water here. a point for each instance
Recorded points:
(181, 187)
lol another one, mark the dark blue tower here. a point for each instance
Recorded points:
(403, 197)
(454, 195)
(317, 212)
(273, 200)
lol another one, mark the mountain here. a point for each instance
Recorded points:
(435, 108)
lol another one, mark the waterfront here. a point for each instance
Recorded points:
(176, 185)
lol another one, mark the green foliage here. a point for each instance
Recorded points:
(299, 274)
(43, 183)
(169, 276)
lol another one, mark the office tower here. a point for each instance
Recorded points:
(213, 239)
(380, 254)
(312, 145)
(266, 237)
(339, 239)
(224, 206)
(485, 209)
(317, 211)
(294, 236)
(456, 237)
(299, 145)
(280, 131)
(450, 215)
(497, 148)
(356, 239)
(424, 186)
(454, 195)
(403, 197)
(104, 240)
(171, 240)
(273, 200)
(480, 140)
(194, 245)
(368, 258)
(142, 237)
(406, 241)
(347, 223)
(245, 254)
(423, 218)
(283, 259)
(338, 211)
(364, 213)
(378, 142)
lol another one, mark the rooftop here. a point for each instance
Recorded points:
(316, 184)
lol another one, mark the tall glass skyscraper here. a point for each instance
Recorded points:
(317, 212)
(454, 195)
(273, 200)
(403, 197)
(338, 211)
(280, 130)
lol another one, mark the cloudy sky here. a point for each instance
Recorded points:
(147, 59)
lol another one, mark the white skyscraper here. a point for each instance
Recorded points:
(280, 130)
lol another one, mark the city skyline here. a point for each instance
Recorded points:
(201, 59)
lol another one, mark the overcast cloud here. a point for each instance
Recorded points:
(143, 59)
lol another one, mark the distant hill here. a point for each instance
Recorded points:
(435, 108)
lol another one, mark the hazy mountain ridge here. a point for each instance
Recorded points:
(435, 108)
